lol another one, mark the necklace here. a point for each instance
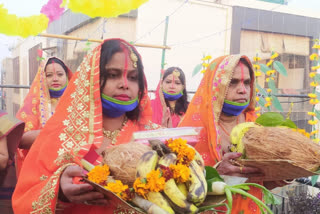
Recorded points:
(224, 130)
(112, 135)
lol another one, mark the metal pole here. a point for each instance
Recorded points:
(98, 40)
(164, 43)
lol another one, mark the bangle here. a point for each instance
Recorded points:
(217, 164)
(289, 181)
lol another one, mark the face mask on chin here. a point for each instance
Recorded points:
(233, 108)
(115, 108)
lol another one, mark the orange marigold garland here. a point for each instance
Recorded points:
(119, 189)
(185, 154)
(181, 172)
(155, 181)
(99, 174)
(140, 187)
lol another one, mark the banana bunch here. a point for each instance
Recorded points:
(175, 197)
(237, 134)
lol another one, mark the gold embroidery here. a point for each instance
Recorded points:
(43, 177)
(23, 115)
(47, 194)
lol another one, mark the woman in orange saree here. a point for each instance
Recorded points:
(87, 118)
(171, 102)
(40, 103)
(228, 80)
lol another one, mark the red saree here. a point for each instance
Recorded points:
(75, 127)
(36, 109)
(159, 106)
(204, 111)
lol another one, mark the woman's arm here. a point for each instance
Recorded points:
(28, 138)
(4, 155)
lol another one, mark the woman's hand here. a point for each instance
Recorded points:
(79, 193)
(227, 167)
(166, 118)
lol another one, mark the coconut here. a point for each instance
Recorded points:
(123, 159)
(268, 143)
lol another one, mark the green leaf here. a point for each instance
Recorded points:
(212, 173)
(317, 114)
(289, 123)
(213, 65)
(272, 86)
(317, 78)
(276, 103)
(197, 69)
(264, 68)
(314, 179)
(278, 66)
(270, 119)
(261, 90)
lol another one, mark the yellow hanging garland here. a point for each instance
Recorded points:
(12, 25)
(103, 8)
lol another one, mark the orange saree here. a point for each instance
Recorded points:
(36, 109)
(204, 111)
(75, 127)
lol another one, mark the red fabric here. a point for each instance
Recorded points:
(36, 109)
(159, 105)
(204, 111)
(66, 138)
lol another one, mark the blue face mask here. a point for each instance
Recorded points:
(233, 108)
(57, 92)
(172, 97)
(115, 108)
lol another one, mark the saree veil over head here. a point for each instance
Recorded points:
(72, 131)
(36, 109)
(159, 106)
(205, 109)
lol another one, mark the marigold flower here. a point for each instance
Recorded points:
(312, 122)
(258, 115)
(314, 132)
(256, 58)
(270, 62)
(314, 84)
(203, 71)
(315, 67)
(99, 174)
(140, 187)
(269, 90)
(155, 182)
(311, 95)
(257, 73)
(257, 99)
(256, 66)
(117, 187)
(274, 55)
(185, 154)
(311, 113)
(270, 72)
(314, 101)
(208, 57)
(268, 99)
(314, 56)
(181, 172)
(316, 46)
(267, 104)
(257, 108)
(257, 90)
(205, 64)
(302, 131)
(312, 74)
